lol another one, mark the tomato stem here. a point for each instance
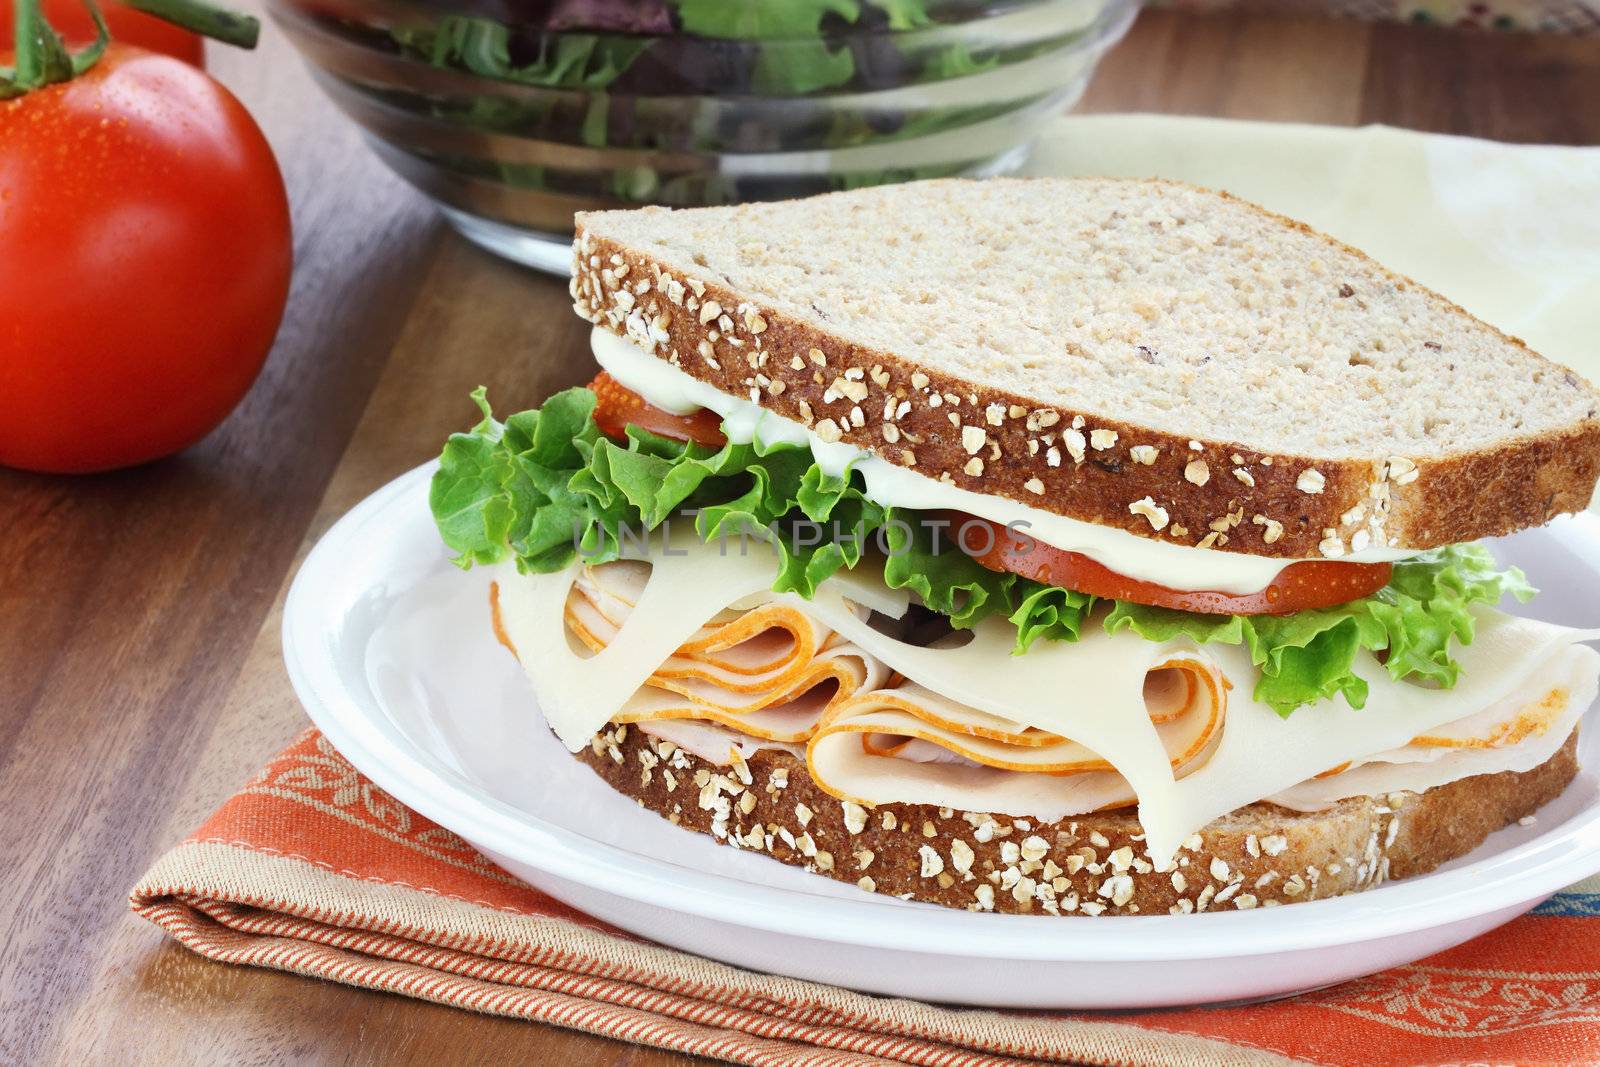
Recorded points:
(229, 27)
(85, 58)
(42, 58)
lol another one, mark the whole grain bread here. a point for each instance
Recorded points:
(1259, 856)
(1172, 361)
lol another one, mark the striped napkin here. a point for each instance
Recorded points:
(311, 868)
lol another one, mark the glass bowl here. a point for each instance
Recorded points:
(513, 114)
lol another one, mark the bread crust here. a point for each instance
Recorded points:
(876, 400)
(1259, 856)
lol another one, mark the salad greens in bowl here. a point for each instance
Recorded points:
(513, 114)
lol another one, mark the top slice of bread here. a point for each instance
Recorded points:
(1172, 361)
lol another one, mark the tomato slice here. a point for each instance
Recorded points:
(619, 407)
(1298, 587)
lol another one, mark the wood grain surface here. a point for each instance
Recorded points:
(140, 678)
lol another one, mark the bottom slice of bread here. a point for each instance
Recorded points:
(1259, 856)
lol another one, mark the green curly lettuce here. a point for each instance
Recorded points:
(957, 586)
(546, 487)
(483, 46)
(798, 53)
(797, 59)
(1310, 655)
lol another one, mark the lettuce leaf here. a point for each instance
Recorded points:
(946, 579)
(1310, 655)
(503, 489)
(797, 57)
(563, 60)
(546, 487)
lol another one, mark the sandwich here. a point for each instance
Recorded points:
(1069, 547)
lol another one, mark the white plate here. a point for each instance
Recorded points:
(390, 650)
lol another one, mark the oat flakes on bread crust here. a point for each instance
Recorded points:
(1259, 856)
(1241, 382)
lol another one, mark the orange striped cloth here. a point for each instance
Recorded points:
(311, 868)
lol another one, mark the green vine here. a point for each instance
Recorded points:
(229, 27)
(43, 58)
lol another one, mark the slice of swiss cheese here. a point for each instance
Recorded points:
(1090, 691)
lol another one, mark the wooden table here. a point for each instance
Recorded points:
(139, 670)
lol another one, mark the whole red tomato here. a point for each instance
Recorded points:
(70, 18)
(144, 263)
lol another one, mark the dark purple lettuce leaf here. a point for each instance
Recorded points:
(611, 16)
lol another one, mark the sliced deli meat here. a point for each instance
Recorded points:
(769, 671)
(1109, 720)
